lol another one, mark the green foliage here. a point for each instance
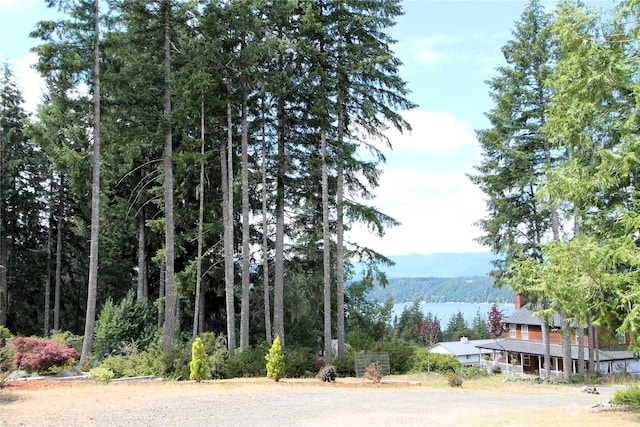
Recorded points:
(5, 332)
(473, 373)
(425, 361)
(198, 367)
(248, 362)
(454, 380)
(298, 362)
(145, 363)
(373, 372)
(6, 358)
(126, 322)
(629, 396)
(101, 375)
(400, 352)
(344, 366)
(275, 361)
(69, 338)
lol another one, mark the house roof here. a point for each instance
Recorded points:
(535, 348)
(462, 347)
(525, 316)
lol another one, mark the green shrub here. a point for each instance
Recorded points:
(344, 365)
(120, 325)
(454, 380)
(424, 361)
(473, 372)
(248, 362)
(400, 353)
(198, 367)
(275, 361)
(135, 365)
(496, 370)
(5, 333)
(101, 375)
(298, 362)
(69, 338)
(629, 396)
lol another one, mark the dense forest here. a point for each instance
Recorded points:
(195, 166)
(442, 289)
(207, 156)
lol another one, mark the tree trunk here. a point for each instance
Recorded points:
(265, 241)
(161, 288)
(591, 346)
(47, 283)
(198, 300)
(58, 279)
(566, 349)
(580, 339)
(246, 255)
(340, 235)
(326, 250)
(547, 349)
(278, 279)
(92, 292)
(142, 294)
(226, 165)
(170, 299)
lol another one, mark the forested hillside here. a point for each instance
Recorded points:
(442, 289)
(228, 167)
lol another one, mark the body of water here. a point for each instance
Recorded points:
(445, 311)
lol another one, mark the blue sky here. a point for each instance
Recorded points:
(449, 49)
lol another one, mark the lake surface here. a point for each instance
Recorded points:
(445, 311)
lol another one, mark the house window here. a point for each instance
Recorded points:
(526, 359)
(524, 331)
(622, 338)
(512, 331)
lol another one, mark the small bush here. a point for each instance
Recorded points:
(298, 362)
(327, 374)
(473, 372)
(454, 380)
(275, 361)
(345, 366)
(627, 397)
(248, 362)
(400, 353)
(69, 338)
(373, 372)
(5, 333)
(135, 365)
(198, 367)
(496, 370)
(424, 361)
(38, 355)
(101, 375)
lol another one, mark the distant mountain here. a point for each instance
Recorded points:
(464, 264)
(441, 289)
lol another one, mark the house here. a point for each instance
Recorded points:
(523, 351)
(465, 350)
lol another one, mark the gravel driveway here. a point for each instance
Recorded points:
(296, 403)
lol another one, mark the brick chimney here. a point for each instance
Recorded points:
(520, 300)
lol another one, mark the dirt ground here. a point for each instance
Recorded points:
(260, 402)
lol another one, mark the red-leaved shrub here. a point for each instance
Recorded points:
(38, 354)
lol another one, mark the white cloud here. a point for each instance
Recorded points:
(432, 131)
(437, 212)
(30, 82)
